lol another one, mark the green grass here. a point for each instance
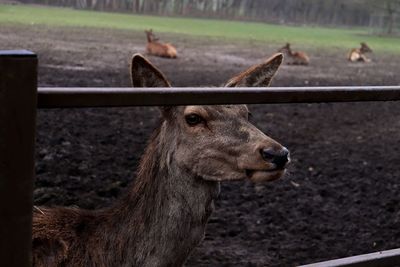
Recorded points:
(309, 37)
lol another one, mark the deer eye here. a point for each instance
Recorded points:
(193, 119)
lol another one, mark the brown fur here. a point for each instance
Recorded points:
(358, 54)
(164, 213)
(295, 57)
(156, 48)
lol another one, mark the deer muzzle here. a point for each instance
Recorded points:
(266, 160)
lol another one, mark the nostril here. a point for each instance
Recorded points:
(267, 154)
(285, 152)
(280, 161)
(279, 158)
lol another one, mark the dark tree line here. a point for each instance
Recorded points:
(390, 21)
(382, 13)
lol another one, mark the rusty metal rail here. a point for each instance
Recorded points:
(108, 97)
(18, 95)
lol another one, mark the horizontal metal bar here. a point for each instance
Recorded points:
(17, 53)
(108, 97)
(388, 258)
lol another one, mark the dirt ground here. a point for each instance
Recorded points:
(340, 198)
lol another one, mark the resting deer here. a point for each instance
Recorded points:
(154, 47)
(164, 213)
(295, 57)
(358, 54)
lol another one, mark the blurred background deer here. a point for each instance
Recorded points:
(358, 54)
(156, 48)
(295, 57)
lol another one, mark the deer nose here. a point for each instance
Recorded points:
(278, 157)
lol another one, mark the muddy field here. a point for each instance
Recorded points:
(340, 198)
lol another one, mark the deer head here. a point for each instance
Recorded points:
(285, 49)
(217, 142)
(365, 48)
(150, 36)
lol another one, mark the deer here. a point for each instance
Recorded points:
(163, 214)
(358, 54)
(156, 48)
(296, 57)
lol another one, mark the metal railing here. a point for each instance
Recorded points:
(19, 98)
(18, 72)
(105, 97)
(378, 259)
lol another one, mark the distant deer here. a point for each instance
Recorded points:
(295, 57)
(164, 213)
(154, 47)
(358, 54)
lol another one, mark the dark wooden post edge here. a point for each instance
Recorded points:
(18, 97)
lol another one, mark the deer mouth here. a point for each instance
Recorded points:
(264, 175)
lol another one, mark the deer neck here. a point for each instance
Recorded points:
(148, 38)
(290, 52)
(163, 217)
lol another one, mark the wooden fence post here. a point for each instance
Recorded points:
(18, 96)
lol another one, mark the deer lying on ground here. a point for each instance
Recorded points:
(164, 213)
(155, 48)
(358, 54)
(295, 57)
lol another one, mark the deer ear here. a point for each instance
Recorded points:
(258, 75)
(145, 74)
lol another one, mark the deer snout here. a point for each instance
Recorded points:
(278, 157)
